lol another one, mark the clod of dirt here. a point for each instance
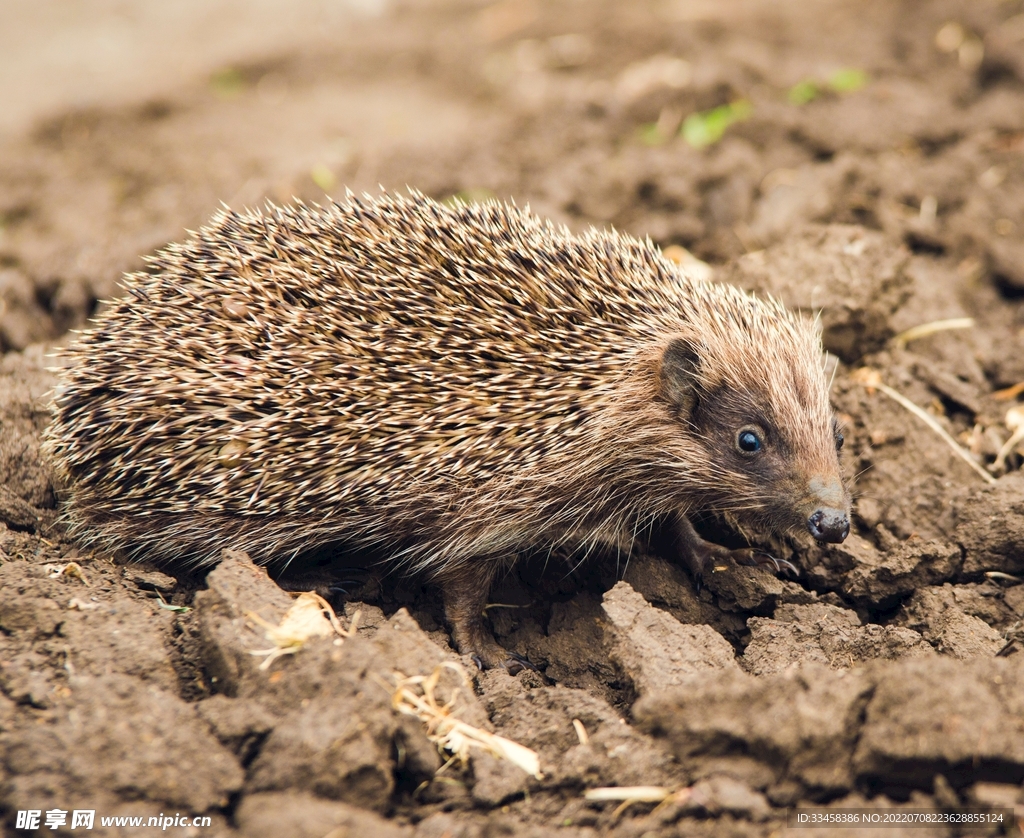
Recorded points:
(1014, 599)
(990, 601)
(991, 528)
(936, 613)
(878, 580)
(670, 588)
(25, 681)
(824, 634)
(124, 740)
(745, 589)
(796, 728)
(655, 649)
(909, 479)
(30, 615)
(17, 513)
(722, 794)
(608, 752)
(496, 781)
(1008, 262)
(240, 724)
(791, 197)
(575, 648)
(931, 717)
(995, 795)
(339, 736)
(338, 746)
(328, 718)
(234, 588)
(301, 815)
(948, 385)
(111, 634)
(120, 636)
(24, 412)
(151, 580)
(882, 117)
(887, 726)
(1002, 45)
(854, 277)
(900, 571)
(461, 825)
(20, 322)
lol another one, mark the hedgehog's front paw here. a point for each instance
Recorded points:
(702, 557)
(510, 661)
(746, 557)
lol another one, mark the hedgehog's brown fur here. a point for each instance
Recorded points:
(453, 385)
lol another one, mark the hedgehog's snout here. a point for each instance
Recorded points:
(831, 525)
(830, 520)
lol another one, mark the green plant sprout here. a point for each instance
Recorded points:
(706, 128)
(845, 80)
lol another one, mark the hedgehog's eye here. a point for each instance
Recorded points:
(840, 439)
(748, 441)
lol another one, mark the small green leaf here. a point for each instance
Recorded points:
(179, 609)
(707, 127)
(803, 92)
(847, 80)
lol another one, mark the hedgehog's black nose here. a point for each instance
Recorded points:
(829, 525)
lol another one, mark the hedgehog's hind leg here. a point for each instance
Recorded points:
(465, 591)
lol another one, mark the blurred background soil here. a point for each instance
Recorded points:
(862, 161)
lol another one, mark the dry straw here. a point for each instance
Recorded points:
(309, 616)
(628, 795)
(416, 696)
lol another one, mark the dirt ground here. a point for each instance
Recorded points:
(873, 172)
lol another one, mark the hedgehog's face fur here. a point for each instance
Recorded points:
(762, 418)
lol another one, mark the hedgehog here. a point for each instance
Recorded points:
(451, 386)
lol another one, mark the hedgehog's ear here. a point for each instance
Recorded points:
(679, 365)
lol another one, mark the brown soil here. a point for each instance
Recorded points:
(888, 674)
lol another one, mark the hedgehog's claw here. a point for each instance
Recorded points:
(789, 567)
(514, 664)
(752, 557)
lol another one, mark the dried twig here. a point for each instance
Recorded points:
(871, 380)
(71, 570)
(1009, 392)
(926, 329)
